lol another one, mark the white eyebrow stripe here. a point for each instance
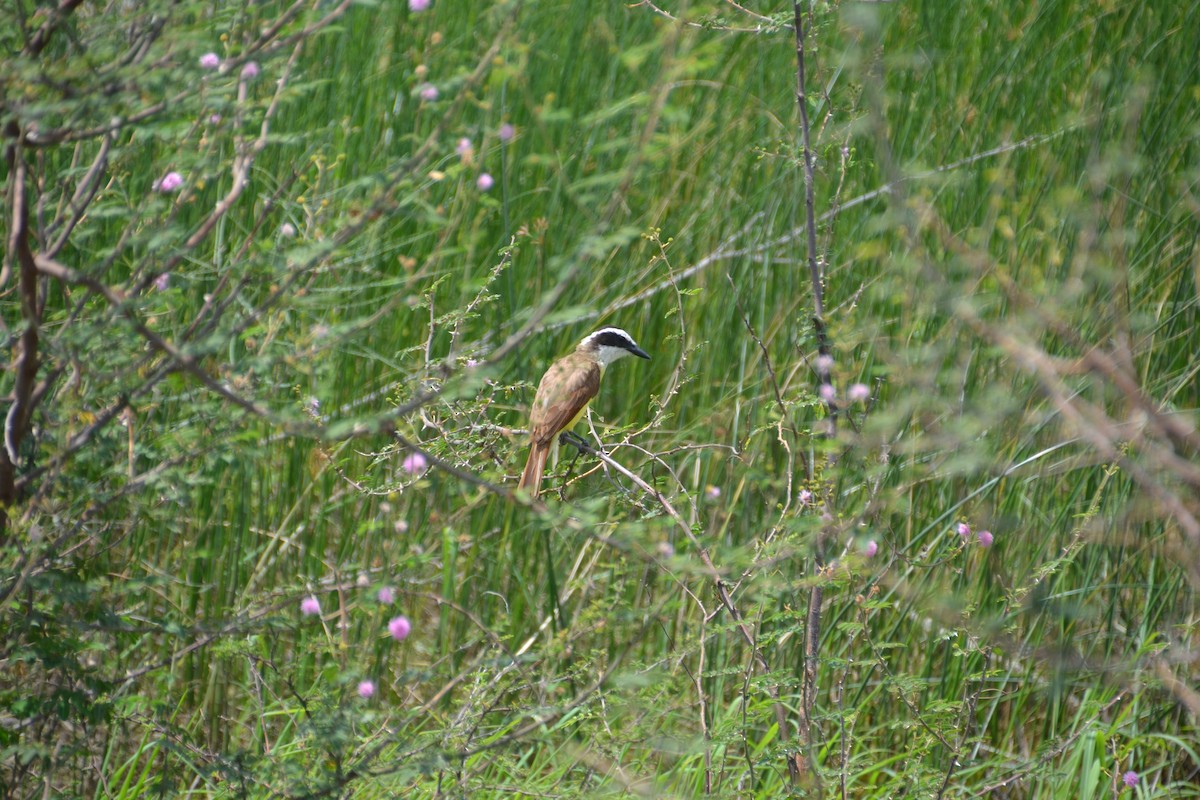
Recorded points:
(618, 331)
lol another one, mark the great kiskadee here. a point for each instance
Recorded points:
(564, 393)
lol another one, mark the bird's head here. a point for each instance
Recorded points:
(608, 344)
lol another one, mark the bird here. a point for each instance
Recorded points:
(564, 393)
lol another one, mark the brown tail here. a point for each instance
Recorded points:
(531, 478)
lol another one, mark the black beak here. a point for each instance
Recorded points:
(639, 352)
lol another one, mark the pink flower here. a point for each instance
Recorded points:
(169, 182)
(429, 92)
(828, 393)
(824, 364)
(858, 393)
(805, 497)
(162, 281)
(463, 147)
(471, 362)
(399, 628)
(287, 230)
(713, 492)
(1130, 778)
(870, 549)
(366, 689)
(985, 538)
(386, 595)
(401, 526)
(506, 132)
(964, 530)
(214, 119)
(309, 606)
(210, 61)
(485, 182)
(250, 71)
(418, 5)
(415, 464)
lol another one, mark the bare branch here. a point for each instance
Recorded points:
(16, 423)
(85, 191)
(54, 20)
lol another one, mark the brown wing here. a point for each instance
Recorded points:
(564, 391)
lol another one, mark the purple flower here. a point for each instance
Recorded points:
(828, 393)
(471, 362)
(162, 281)
(210, 61)
(506, 132)
(418, 5)
(870, 549)
(309, 606)
(250, 70)
(805, 497)
(964, 530)
(713, 492)
(415, 464)
(214, 119)
(858, 393)
(485, 182)
(1130, 778)
(366, 689)
(985, 538)
(464, 147)
(169, 182)
(824, 363)
(399, 628)
(429, 92)
(386, 595)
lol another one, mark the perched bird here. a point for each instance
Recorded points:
(564, 393)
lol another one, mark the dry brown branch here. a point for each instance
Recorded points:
(85, 192)
(25, 361)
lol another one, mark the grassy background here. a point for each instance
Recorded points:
(645, 149)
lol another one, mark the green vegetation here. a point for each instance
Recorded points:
(301, 373)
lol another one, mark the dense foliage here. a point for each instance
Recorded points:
(279, 279)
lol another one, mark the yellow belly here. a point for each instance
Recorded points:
(569, 426)
(575, 421)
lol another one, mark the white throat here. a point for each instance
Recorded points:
(605, 355)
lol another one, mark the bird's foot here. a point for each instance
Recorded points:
(578, 442)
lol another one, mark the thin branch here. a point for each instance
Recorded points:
(810, 221)
(54, 20)
(16, 423)
(966, 724)
(816, 596)
(761, 28)
(84, 193)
